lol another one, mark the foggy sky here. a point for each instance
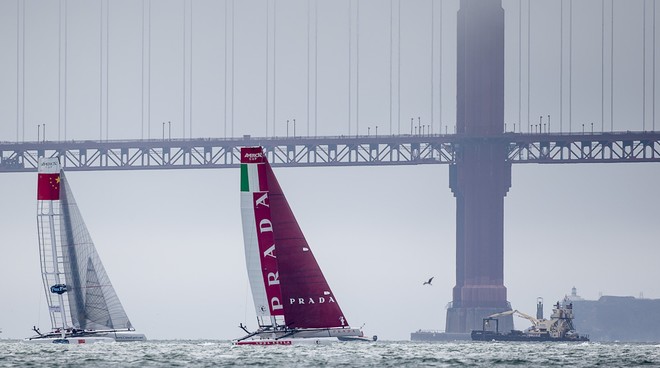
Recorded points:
(171, 241)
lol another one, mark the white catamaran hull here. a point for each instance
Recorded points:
(124, 336)
(88, 338)
(68, 340)
(297, 337)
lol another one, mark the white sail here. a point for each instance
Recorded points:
(258, 240)
(81, 299)
(93, 302)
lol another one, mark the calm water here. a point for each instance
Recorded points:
(380, 354)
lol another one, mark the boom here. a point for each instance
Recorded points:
(518, 313)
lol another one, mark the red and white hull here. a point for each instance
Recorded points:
(287, 342)
(296, 337)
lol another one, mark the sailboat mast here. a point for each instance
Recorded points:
(48, 199)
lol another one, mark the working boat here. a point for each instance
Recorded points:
(83, 305)
(293, 301)
(558, 328)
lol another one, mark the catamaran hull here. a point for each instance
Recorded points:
(68, 340)
(358, 338)
(288, 342)
(313, 337)
(100, 336)
(124, 336)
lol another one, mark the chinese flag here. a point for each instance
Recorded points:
(48, 187)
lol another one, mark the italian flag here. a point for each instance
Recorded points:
(253, 170)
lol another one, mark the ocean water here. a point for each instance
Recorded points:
(353, 354)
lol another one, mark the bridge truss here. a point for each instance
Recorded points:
(330, 151)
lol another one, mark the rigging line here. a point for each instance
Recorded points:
(183, 53)
(432, 51)
(190, 80)
(18, 73)
(309, 16)
(267, 58)
(398, 83)
(107, 68)
(654, 66)
(602, 68)
(247, 290)
(520, 62)
(644, 66)
(274, 63)
(570, 66)
(561, 65)
(142, 84)
(23, 70)
(391, 57)
(350, 38)
(316, 63)
(40, 296)
(149, 73)
(357, 67)
(529, 47)
(612, 69)
(59, 69)
(66, 54)
(440, 76)
(233, 3)
(100, 70)
(225, 65)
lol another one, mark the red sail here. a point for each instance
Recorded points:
(307, 298)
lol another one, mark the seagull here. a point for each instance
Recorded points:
(428, 282)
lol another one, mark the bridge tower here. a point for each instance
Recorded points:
(481, 176)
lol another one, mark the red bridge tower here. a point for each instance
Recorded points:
(481, 176)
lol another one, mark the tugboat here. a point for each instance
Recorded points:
(558, 328)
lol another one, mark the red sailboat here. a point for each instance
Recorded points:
(293, 301)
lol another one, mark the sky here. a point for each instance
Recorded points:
(171, 241)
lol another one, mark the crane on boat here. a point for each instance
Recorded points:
(559, 325)
(515, 312)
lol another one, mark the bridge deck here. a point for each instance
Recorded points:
(330, 151)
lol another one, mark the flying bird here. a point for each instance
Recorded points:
(428, 282)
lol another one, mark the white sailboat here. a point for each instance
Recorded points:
(82, 303)
(292, 299)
